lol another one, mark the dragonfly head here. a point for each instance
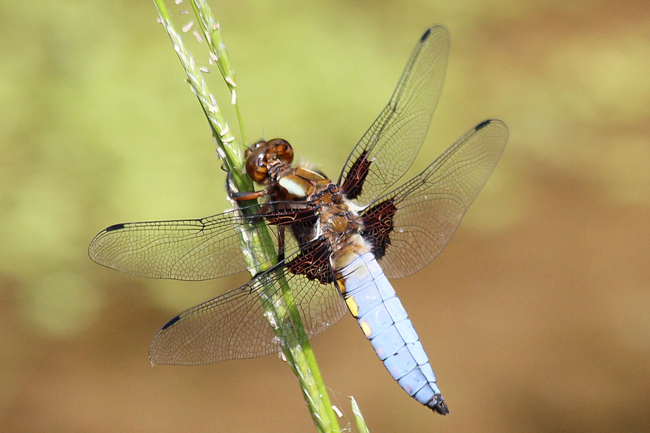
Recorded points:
(264, 154)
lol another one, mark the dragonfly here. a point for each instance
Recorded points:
(336, 243)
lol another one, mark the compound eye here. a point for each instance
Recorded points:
(280, 149)
(258, 174)
(256, 162)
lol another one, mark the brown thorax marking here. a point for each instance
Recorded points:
(269, 162)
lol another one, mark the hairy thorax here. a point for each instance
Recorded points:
(338, 219)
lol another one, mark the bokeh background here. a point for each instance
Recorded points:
(537, 315)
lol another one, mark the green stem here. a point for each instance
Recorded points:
(358, 417)
(279, 306)
(218, 53)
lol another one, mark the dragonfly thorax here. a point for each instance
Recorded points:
(299, 182)
(341, 225)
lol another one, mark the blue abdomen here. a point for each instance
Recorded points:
(383, 320)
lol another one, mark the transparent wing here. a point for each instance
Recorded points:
(191, 250)
(411, 225)
(234, 325)
(389, 147)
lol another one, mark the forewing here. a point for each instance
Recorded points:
(411, 225)
(389, 147)
(191, 250)
(235, 325)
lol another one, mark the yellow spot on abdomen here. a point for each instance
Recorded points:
(352, 306)
(365, 327)
(341, 284)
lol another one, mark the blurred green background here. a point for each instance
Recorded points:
(537, 315)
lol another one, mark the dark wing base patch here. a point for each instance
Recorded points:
(313, 262)
(353, 184)
(378, 226)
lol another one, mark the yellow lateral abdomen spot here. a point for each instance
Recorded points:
(365, 327)
(352, 306)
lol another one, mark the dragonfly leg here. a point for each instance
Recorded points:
(242, 196)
